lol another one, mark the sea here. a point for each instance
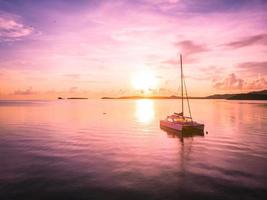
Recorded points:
(115, 149)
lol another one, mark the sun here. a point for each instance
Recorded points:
(145, 81)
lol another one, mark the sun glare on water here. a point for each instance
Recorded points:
(144, 110)
(145, 81)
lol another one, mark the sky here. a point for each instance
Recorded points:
(95, 48)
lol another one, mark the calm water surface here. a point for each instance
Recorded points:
(114, 149)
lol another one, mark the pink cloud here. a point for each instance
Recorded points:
(11, 28)
(171, 62)
(260, 39)
(189, 47)
(257, 84)
(253, 68)
(232, 82)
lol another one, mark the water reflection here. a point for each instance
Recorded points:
(183, 134)
(145, 110)
(69, 150)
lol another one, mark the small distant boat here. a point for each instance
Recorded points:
(178, 121)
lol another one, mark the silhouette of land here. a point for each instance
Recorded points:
(77, 98)
(255, 95)
(61, 98)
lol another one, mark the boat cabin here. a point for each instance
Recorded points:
(178, 118)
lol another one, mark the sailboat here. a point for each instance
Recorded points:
(178, 121)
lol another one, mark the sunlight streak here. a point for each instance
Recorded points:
(145, 111)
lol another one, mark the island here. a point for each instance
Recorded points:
(255, 95)
(77, 98)
(61, 98)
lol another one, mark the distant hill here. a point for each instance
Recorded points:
(61, 98)
(264, 92)
(219, 96)
(150, 97)
(258, 95)
(255, 95)
(143, 97)
(77, 98)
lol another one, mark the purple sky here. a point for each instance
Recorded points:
(94, 48)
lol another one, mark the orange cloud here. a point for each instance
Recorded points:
(28, 91)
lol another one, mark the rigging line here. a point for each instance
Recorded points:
(188, 101)
(182, 87)
(178, 95)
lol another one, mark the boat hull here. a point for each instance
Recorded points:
(181, 127)
(166, 124)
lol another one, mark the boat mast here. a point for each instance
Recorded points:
(182, 87)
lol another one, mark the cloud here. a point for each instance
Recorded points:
(232, 82)
(188, 47)
(12, 29)
(253, 67)
(175, 62)
(203, 6)
(170, 62)
(163, 5)
(209, 73)
(28, 91)
(161, 1)
(248, 41)
(257, 84)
